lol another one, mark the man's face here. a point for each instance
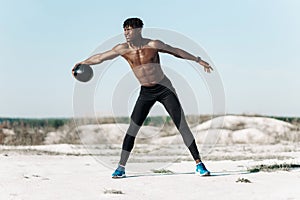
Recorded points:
(131, 33)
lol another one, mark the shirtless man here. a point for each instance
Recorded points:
(142, 54)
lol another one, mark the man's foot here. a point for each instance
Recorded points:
(119, 172)
(201, 170)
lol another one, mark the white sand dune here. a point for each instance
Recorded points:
(242, 129)
(232, 122)
(222, 130)
(113, 133)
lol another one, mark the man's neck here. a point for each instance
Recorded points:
(137, 43)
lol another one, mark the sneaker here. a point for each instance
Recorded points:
(119, 172)
(201, 170)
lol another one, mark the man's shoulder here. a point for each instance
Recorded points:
(155, 43)
(120, 48)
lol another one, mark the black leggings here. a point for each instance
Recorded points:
(164, 93)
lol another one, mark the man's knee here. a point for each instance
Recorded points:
(128, 142)
(133, 128)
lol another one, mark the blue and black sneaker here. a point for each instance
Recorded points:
(201, 170)
(119, 172)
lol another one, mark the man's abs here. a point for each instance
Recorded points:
(148, 75)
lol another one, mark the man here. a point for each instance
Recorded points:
(142, 54)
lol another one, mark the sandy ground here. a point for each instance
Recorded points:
(38, 177)
(62, 171)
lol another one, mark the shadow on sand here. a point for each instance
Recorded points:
(212, 174)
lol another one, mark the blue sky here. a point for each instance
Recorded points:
(253, 44)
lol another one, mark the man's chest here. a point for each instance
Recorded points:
(141, 56)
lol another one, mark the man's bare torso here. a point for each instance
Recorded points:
(144, 62)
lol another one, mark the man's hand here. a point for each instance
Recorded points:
(73, 70)
(207, 67)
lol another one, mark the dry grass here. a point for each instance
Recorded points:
(243, 180)
(273, 167)
(162, 171)
(113, 191)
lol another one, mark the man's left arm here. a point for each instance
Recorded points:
(180, 53)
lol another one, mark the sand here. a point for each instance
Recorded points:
(38, 176)
(230, 146)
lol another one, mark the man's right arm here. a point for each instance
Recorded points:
(101, 57)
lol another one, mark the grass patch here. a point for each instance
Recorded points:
(113, 191)
(274, 167)
(162, 171)
(243, 180)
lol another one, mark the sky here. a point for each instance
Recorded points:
(253, 45)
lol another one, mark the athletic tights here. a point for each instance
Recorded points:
(164, 93)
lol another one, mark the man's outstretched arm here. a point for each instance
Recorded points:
(165, 48)
(101, 57)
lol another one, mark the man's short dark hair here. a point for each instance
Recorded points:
(133, 22)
